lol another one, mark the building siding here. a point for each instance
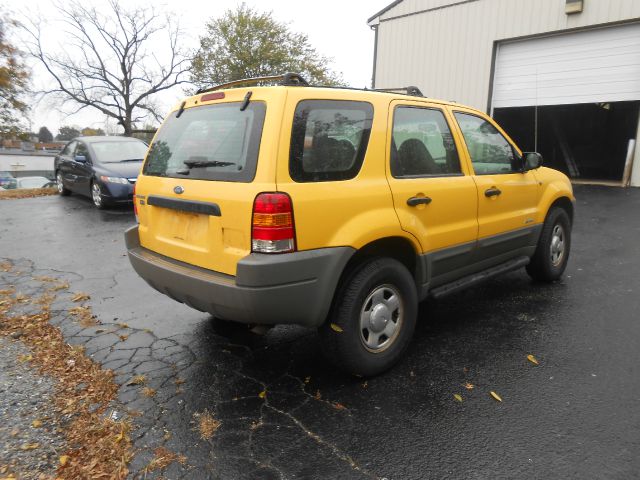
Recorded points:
(447, 51)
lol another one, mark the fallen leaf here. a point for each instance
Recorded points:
(338, 406)
(317, 396)
(148, 392)
(263, 394)
(124, 337)
(36, 423)
(80, 297)
(137, 380)
(29, 446)
(458, 397)
(163, 458)
(63, 460)
(495, 396)
(336, 328)
(207, 424)
(307, 379)
(469, 386)
(532, 359)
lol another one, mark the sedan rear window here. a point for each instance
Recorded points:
(211, 142)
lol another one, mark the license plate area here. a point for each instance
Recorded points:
(184, 229)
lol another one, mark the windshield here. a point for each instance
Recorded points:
(212, 142)
(115, 152)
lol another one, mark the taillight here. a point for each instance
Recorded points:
(272, 229)
(135, 203)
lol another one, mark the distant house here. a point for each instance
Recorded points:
(561, 76)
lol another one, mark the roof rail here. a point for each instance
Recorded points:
(287, 79)
(410, 90)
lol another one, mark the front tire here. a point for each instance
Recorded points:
(373, 319)
(62, 190)
(96, 196)
(552, 253)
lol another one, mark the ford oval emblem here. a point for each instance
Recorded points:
(178, 189)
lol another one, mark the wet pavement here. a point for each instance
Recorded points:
(285, 413)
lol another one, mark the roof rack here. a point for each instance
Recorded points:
(287, 79)
(410, 90)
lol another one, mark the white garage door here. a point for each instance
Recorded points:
(601, 65)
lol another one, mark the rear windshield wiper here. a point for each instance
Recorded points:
(131, 160)
(207, 163)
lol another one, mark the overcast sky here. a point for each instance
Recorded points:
(336, 28)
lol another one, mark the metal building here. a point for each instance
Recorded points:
(561, 76)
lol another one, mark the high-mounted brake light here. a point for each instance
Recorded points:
(212, 96)
(272, 229)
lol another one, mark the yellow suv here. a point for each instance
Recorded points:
(339, 209)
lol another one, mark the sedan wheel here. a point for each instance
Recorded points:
(62, 190)
(96, 195)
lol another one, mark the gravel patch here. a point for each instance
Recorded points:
(31, 441)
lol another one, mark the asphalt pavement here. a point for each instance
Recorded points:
(286, 414)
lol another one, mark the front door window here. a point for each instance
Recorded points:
(490, 152)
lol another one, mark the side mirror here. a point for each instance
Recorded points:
(531, 161)
(80, 159)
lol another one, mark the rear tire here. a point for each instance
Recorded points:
(552, 253)
(373, 318)
(62, 190)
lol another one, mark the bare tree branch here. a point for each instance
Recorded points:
(113, 63)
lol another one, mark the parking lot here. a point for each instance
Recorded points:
(285, 413)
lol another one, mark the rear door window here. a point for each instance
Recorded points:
(210, 142)
(329, 140)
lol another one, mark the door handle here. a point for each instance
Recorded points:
(415, 201)
(492, 192)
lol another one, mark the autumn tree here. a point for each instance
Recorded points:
(115, 62)
(44, 135)
(14, 78)
(91, 132)
(67, 133)
(245, 43)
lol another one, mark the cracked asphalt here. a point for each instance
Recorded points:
(286, 414)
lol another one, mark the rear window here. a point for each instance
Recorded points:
(329, 140)
(211, 142)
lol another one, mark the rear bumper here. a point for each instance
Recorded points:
(293, 288)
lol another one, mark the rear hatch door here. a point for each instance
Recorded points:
(203, 171)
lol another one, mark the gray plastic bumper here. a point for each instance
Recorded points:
(292, 288)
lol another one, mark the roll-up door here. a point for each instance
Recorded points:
(600, 65)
